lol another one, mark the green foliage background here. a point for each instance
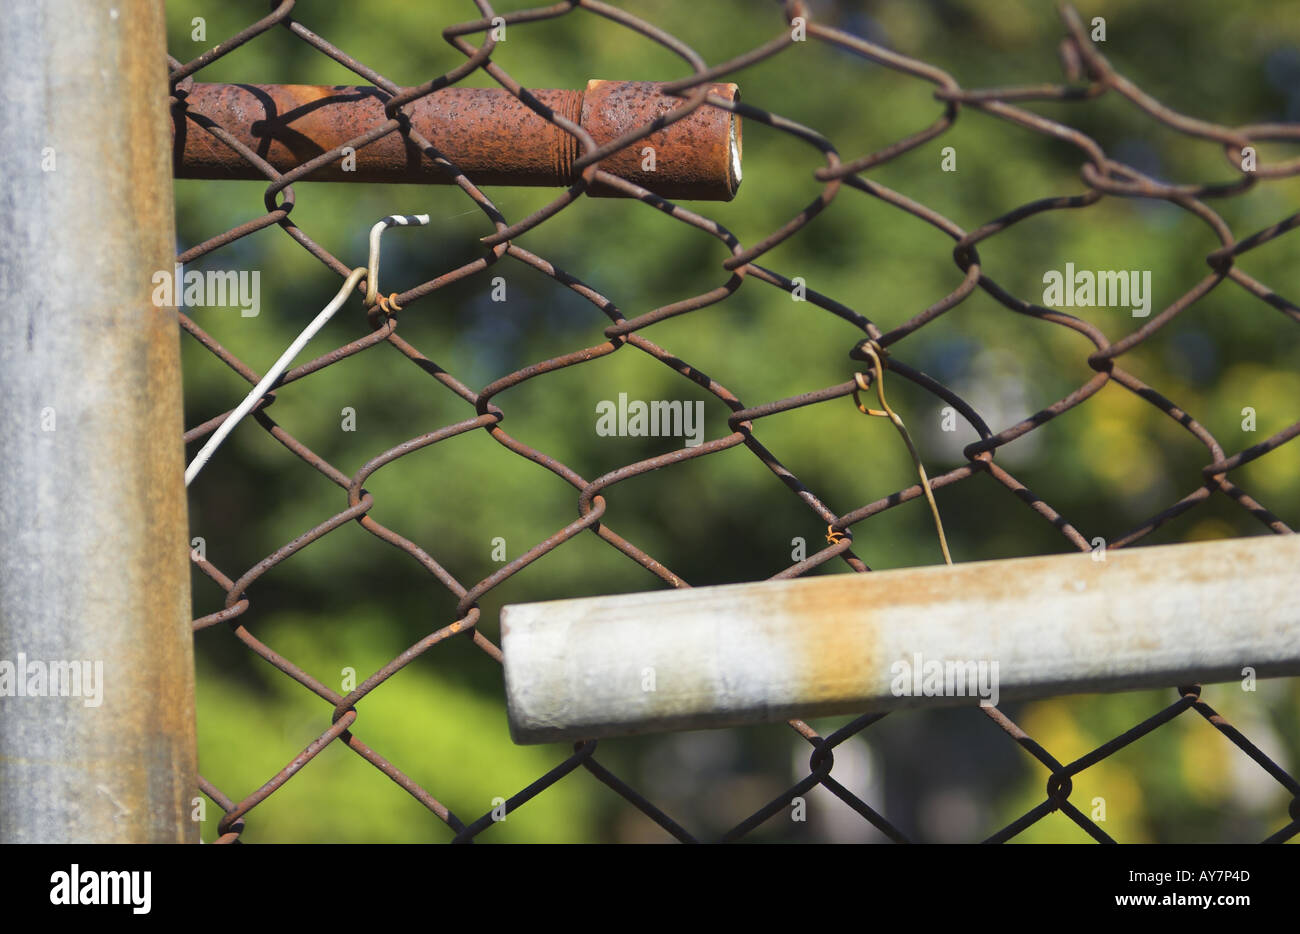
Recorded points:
(351, 601)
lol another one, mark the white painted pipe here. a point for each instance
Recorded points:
(850, 643)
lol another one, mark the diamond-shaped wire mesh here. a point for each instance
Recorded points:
(1091, 75)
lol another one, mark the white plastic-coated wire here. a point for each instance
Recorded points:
(377, 231)
(273, 374)
(371, 274)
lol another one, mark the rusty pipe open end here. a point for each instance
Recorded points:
(486, 133)
(735, 149)
(698, 157)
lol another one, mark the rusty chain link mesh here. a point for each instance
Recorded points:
(1090, 74)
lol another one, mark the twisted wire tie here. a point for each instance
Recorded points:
(876, 352)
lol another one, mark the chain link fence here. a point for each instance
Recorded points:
(1090, 76)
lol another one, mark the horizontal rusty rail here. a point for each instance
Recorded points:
(487, 133)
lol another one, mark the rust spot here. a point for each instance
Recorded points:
(839, 657)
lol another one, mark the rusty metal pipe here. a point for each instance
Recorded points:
(486, 132)
(96, 649)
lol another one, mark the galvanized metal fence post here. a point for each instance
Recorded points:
(96, 658)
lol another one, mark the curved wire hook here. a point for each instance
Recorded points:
(371, 275)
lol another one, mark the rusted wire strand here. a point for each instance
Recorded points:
(872, 349)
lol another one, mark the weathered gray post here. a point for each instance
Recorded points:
(96, 657)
